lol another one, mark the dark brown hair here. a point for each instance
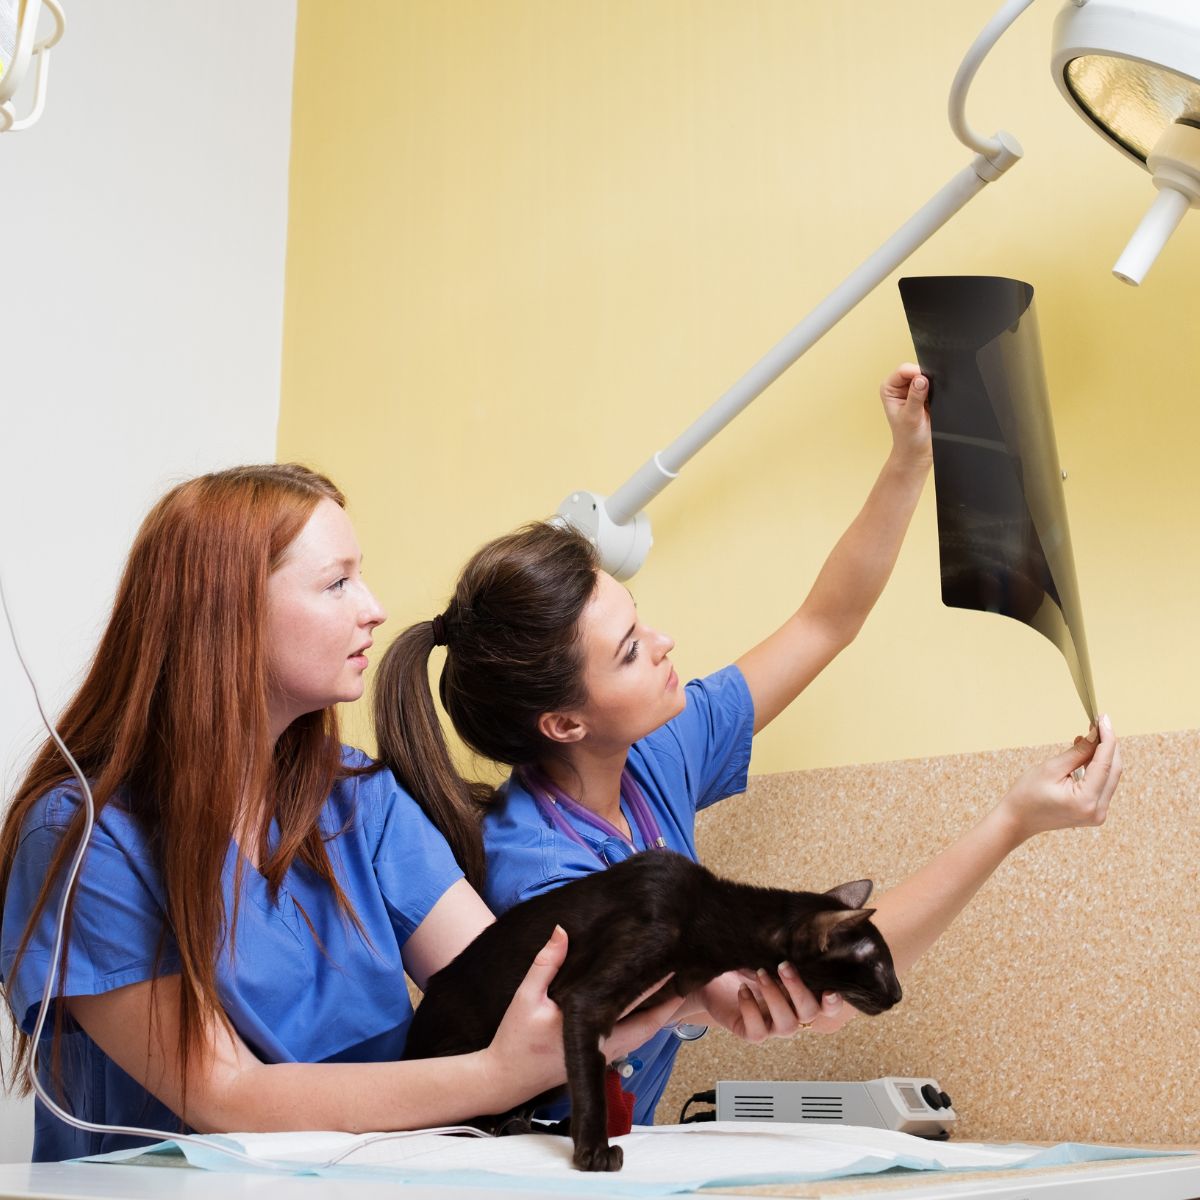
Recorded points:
(171, 720)
(513, 652)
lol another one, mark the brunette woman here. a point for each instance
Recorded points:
(552, 671)
(253, 892)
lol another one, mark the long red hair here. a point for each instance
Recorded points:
(171, 720)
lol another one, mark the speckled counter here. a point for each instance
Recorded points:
(1063, 1005)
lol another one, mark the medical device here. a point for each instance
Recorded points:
(1130, 68)
(20, 47)
(907, 1105)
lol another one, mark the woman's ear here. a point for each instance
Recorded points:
(560, 727)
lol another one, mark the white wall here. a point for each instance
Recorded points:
(142, 234)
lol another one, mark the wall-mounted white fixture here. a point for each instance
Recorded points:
(20, 49)
(1130, 67)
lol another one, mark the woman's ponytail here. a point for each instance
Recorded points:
(513, 652)
(413, 747)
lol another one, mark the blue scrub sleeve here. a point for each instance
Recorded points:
(116, 923)
(413, 863)
(711, 739)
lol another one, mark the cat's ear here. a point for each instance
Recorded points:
(838, 923)
(852, 895)
(560, 727)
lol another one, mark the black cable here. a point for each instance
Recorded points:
(709, 1097)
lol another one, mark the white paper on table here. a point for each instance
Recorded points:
(658, 1159)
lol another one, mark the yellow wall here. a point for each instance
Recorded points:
(531, 239)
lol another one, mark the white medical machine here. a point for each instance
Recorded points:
(906, 1105)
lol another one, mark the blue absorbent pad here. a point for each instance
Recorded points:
(659, 1160)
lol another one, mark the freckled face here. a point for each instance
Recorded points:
(631, 686)
(320, 618)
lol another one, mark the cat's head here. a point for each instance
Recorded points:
(838, 949)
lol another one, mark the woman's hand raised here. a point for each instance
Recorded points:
(1049, 796)
(905, 396)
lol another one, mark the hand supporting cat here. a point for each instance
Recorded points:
(656, 914)
(757, 1005)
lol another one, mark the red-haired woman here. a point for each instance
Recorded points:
(253, 892)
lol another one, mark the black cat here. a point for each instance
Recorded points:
(628, 926)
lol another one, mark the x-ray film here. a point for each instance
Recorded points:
(1004, 541)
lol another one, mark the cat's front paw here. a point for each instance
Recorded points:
(598, 1158)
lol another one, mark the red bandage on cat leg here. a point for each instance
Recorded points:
(620, 1105)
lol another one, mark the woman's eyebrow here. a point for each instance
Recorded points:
(342, 564)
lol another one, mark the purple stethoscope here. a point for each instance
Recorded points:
(552, 802)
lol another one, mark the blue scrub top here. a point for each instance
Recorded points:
(288, 999)
(694, 760)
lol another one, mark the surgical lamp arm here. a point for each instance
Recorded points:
(41, 52)
(616, 525)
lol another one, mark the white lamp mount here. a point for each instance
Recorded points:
(20, 47)
(1131, 68)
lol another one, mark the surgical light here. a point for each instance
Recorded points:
(21, 48)
(1131, 68)
(1132, 71)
